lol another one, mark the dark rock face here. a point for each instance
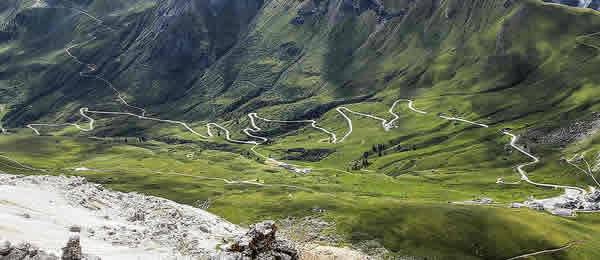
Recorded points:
(72, 251)
(568, 133)
(260, 242)
(195, 33)
(593, 196)
(337, 9)
(311, 155)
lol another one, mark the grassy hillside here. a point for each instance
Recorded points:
(525, 65)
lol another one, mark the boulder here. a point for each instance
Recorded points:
(260, 242)
(23, 251)
(593, 196)
(72, 251)
(4, 247)
(536, 206)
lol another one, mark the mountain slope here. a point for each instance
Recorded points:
(485, 66)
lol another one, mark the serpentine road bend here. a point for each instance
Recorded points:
(86, 74)
(411, 106)
(463, 120)
(92, 68)
(209, 128)
(185, 125)
(313, 124)
(535, 160)
(251, 131)
(81, 112)
(387, 125)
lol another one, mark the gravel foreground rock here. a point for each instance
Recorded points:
(47, 211)
(67, 218)
(26, 251)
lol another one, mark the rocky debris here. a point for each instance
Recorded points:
(116, 225)
(566, 204)
(27, 251)
(562, 212)
(481, 201)
(310, 229)
(261, 242)
(290, 167)
(75, 229)
(310, 155)
(536, 206)
(328, 252)
(313, 241)
(372, 249)
(23, 251)
(4, 247)
(593, 196)
(72, 251)
(515, 205)
(128, 222)
(567, 134)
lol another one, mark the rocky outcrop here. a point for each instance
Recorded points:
(261, 242)
(23, 251)
(120, 224)
(567, 133)
(73, 250)
(565, 205)
(27, 251)
(115, 225)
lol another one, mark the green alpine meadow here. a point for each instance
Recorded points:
(300, 129)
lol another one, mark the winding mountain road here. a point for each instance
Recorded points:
(92, 68)
(81, 112)
(254, 129)
(411, 106)
(463, 120)
(535, 160)
(387, 125)
(185, 125)
(313, 124)
(86, 74)
(547, 251)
